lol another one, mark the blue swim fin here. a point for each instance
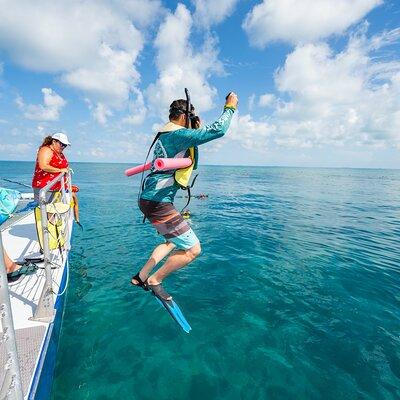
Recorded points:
(175, 312)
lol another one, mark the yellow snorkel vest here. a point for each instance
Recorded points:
(182, 176)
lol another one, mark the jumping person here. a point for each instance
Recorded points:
(176, 139)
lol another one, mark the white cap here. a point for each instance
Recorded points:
(62, 137)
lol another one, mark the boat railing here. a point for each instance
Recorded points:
(11, 387)
(50, 211)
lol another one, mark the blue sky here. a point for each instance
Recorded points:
(318, 80)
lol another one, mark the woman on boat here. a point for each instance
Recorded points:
(50, 162)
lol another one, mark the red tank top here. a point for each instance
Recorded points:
(42, 178)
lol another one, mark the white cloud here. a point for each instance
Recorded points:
(48, 111)
(181, 66)
(109, 80)
(303, 21)
(97, 152)
(141, 12)
(266, 100)
(40, 131)
(101, 113)
(92, 45)
(250, 102)
(127, 145)
(16, 149)
(348, 99)
(250, 134)
(351, 98)
(211, 12)
(137, 111)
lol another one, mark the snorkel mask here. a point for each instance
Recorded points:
(192, 120)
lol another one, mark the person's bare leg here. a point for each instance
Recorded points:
(175, 261)
(157, 255)
(76, 207)
(11, 266)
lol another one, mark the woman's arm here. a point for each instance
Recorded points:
(44, 158)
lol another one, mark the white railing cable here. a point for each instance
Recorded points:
(11, 387)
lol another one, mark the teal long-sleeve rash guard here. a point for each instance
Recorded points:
(175, 140)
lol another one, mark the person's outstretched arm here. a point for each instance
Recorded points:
(195, 137)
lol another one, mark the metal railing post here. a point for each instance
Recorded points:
(11, 387)
(45, 309)
(68, 198)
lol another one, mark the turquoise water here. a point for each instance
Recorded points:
(295, 296)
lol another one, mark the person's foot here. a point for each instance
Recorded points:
(139, 280)
(14, 267)
(158, 290)
(79, 224)
(26, 268)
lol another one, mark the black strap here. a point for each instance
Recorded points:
(58, 240)
(188, 190)
(142, 181)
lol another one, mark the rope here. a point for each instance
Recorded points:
(66, 281)
(18, 183)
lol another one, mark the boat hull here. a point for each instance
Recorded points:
(42, 382)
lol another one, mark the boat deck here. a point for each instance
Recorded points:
(20, 241)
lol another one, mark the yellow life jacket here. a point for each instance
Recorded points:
(56, 227)
(182, 176)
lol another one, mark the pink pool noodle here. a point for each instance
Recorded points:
(138, 169)
(161, 164)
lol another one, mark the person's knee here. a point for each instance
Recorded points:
(194, 251)
(170, 245)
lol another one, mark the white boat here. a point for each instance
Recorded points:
(32, 307)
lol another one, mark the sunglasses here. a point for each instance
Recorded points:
(62, 144)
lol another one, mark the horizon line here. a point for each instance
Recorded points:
(228, 165)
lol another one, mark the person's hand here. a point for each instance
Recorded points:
(197, 123)
(66, 170)
(231, 100)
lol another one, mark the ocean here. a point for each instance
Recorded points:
(295, 295)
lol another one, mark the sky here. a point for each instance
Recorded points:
(318, 81)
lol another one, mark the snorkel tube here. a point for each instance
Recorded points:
(188, 107)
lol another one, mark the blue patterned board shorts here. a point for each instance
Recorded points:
(169, 223)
